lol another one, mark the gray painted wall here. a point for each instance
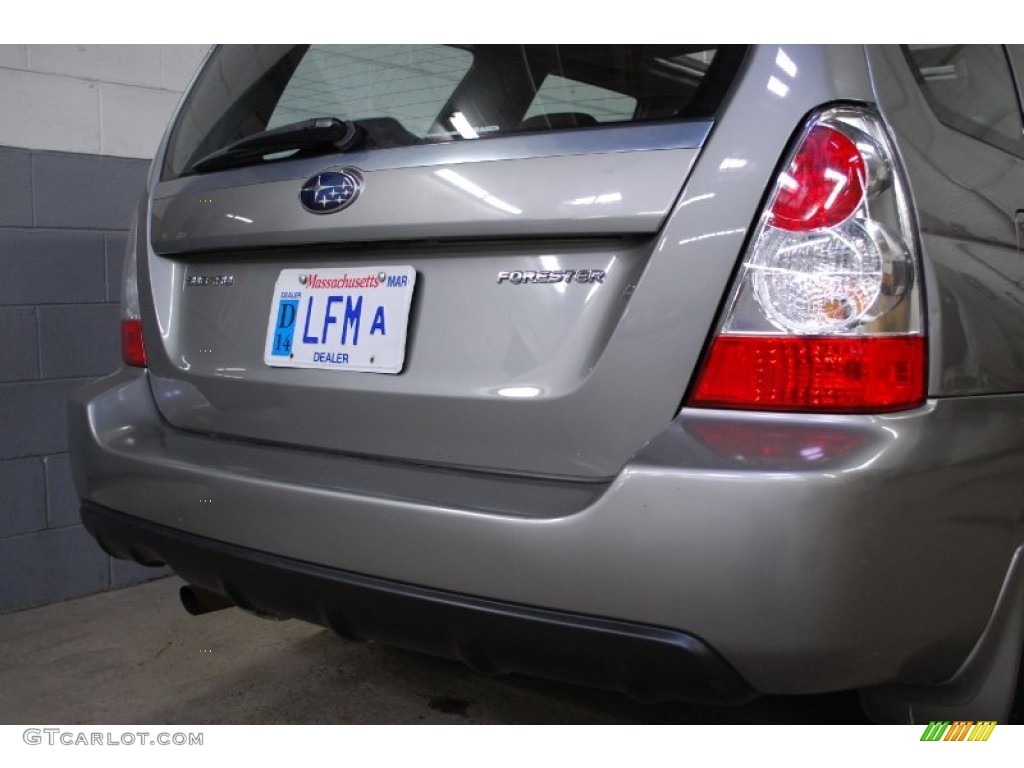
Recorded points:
(78, 125)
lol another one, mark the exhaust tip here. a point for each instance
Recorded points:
(198, 601)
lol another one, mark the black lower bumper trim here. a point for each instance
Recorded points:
(647, 663)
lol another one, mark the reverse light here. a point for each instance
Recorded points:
(825, 314)
(133, 347)
(830, 279)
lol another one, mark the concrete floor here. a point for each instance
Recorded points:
(135, 656)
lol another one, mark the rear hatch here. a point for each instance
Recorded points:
(454, 286)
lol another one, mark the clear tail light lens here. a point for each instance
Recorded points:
(826, 312)
(133, 348)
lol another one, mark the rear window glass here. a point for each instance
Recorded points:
(410, 83)
(402, 95)
(970, 88)
(559, 95)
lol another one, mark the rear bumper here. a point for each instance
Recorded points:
(811, 554)
(647, 663)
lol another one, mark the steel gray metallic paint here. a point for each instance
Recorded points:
(558, 342)
(653, 315)
(499, 198)
(834, 563)
(828, 565)
(967, 194)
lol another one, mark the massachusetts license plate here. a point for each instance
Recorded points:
(340, 319)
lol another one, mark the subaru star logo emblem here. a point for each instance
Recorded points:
(331, 191)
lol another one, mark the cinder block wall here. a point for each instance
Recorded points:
(78, 127)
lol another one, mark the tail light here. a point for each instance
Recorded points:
(133, 348)
(826, 312)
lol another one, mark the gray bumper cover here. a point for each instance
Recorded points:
(813, 553)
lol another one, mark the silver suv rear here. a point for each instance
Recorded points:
(693, 371)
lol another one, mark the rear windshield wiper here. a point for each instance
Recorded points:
(328, 134)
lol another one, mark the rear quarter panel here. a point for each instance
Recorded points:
(966, 194)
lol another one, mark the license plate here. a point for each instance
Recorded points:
(340, 319)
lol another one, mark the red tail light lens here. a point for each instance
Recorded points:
(133, 349)
(823, 184)
(853, 374)
(826, 311)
